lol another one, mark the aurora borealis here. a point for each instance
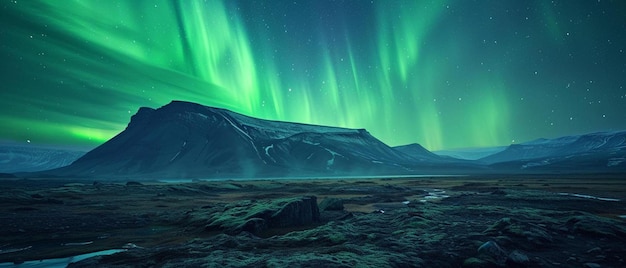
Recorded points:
(445, 74)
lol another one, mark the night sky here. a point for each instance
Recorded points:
(445, 74)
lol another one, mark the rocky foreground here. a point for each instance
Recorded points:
(437, 222)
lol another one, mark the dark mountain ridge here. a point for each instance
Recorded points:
(182, 140)
(416, 151)
(28, 158)
(594, 152)
(188, 140)
(420, 154)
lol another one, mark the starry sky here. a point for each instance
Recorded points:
(442, 73)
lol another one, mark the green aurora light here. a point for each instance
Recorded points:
(445, 74)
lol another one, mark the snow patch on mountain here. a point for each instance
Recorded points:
(203, 116)
(176, 155)
(239, 130)
(267, 152)
(615, 161)
(311, 143)
(331, 161)
(536, 164)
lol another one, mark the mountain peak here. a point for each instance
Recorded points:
(184, 139)
(417, 151)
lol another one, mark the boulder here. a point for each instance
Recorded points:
(258, 216)
(490, 250)
(298, 212)
(535, 235)
(517, 259)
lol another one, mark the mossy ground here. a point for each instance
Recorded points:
(527, 216)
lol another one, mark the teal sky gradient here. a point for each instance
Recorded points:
(445, 74)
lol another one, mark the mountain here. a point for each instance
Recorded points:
(418, 153)
(470, 153)
(28, 158)
(421, 155)
(188, 140)
(594, 152)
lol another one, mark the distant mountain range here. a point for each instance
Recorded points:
(28, 158)
(188, 140)
(595, 152)
(418, 153)
(471, 153)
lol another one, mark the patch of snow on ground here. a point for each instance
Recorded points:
(591, 197)
(434, 194)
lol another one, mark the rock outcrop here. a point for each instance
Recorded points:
(258, 216)
(333, 204)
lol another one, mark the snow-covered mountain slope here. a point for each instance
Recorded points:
(28, 158)
(601, 151)
(184, 139)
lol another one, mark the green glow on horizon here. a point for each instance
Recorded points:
(57, 134)
(423, 71)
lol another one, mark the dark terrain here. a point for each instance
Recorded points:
(393, 222)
